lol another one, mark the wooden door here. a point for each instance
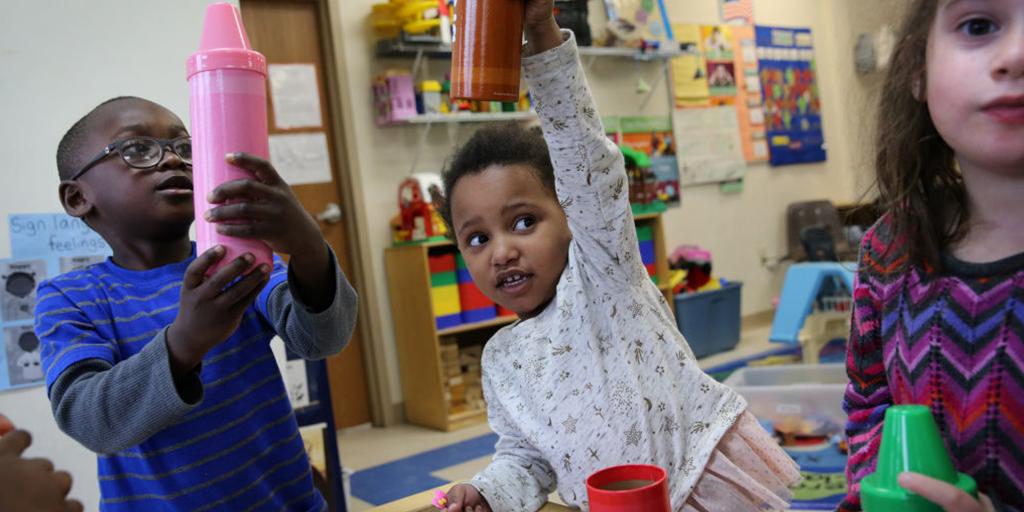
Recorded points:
(290, 32)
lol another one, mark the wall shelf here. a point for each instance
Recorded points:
(392, 49)
(465, 117)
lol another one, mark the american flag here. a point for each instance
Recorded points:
(738, 11)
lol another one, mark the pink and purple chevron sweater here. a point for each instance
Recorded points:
(951, 340)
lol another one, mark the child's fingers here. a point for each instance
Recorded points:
(15, 443)
(240, 291)
(263, 170)
(254, 229)
(196, 270)
(42, 465)
(940, 493)
(240, 211)
(63, 479)
(228, 273)
(5, 425)
(240, 189)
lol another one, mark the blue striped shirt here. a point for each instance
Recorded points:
(237, 449)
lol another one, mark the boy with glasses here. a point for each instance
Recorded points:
(165, 372)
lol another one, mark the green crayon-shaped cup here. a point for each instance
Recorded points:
(910, 442)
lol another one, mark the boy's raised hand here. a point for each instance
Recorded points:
(263, 208)
(210, 310)
(31, 485)
(465, 498)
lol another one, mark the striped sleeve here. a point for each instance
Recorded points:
(312, 335)
(66, 334)
(867, 394)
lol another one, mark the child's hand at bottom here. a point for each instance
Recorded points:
(31, 484)
(465, 498)
(944, 495)
(5, 425)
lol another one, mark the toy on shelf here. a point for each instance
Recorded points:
(419, 219)
(636, 24)
(413, 21)
(444, 291)
(476, 307)
(804, 316)
(643, 185)
(463, 389)
(430, 97)
(645, 235)
(393, 97)
(696, 265)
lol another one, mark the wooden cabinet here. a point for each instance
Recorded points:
(425, 362)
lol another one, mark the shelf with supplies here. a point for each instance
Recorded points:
(388, 49)
(442, 322)
(464, 117)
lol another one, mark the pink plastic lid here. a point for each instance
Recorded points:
(224, 43)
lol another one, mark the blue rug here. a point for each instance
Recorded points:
(404, 477)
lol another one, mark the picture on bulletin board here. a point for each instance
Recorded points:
(722, 78)
(653, 136)
(23, 356)
(792, 102)
(18, 296)
(689, 71)
(717, 43)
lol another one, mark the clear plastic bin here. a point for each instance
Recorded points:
(807, 390)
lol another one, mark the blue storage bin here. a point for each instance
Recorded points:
(710, 321)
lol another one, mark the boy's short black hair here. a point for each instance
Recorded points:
(69, 150)
(504, 144)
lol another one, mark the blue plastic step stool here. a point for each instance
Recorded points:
(803, 281)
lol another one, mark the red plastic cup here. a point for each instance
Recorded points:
(629, 488)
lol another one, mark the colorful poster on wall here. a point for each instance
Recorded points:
(43, 246)
(708, 145)
(739, 12)
(792, 102)
(749, 110)
(653, 135)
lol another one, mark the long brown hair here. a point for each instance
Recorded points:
(918, 181)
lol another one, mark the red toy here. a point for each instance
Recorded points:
(415, 211)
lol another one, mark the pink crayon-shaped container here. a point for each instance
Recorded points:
(228, 105)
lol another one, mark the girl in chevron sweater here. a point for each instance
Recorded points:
(939, 300)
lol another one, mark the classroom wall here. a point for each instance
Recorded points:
(737, 228)
(60, 59)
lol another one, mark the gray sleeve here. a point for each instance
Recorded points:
(314, 334)
(112, 408)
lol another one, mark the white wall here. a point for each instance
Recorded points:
(60, 59)
(736, 228)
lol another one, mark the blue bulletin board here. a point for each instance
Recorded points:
(792, 101)
(43, 245)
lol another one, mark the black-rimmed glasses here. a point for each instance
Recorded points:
(142, 152)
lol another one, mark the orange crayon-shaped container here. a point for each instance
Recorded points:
(486, 49)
